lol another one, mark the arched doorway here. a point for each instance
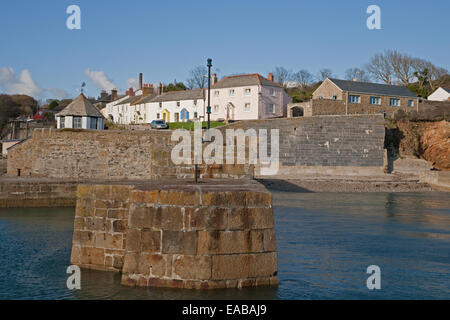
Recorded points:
(165, 115)
(230, 111)
(297, 112)
(184, 115)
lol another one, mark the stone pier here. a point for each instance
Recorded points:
(216, 234)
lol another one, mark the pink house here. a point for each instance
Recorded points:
(247, 97)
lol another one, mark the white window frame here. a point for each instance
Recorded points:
(62, 122)
(81, 122)
(378, 99)
(247, 91)
(391, 100)
(271, 106)
(231, 92)
(352, 98)
(249, 107)
(272, 93)
(410, 103)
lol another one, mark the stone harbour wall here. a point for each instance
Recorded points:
(203, 236)
(22, 193)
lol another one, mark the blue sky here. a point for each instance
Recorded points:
(165, 39)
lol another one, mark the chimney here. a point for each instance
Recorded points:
(130, 92)
(214, 78)
(160, 89)
(147, 89)
(103, 94)
(114, 94)
(270, 77)
(140, 81)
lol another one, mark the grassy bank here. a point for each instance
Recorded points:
(190, 125)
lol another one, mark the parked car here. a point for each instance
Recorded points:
(159, 124)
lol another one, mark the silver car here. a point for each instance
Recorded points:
(158, 124)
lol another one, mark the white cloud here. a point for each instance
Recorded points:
(22, 83)
(100, 80)
(132, 83)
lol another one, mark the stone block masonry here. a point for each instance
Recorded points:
(217, 234)
(342, 144)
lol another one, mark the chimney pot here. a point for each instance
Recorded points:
(214, 79)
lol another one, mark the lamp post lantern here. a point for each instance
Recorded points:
(208, 108)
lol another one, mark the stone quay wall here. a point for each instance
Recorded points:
(347, 145)
(204, 236)
(107, 155)
(23, 193)
(343, 144)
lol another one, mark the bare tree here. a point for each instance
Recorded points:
(380, 68)
(281, 75)
(324, 73)
(357, 74)
(303, 77)
(197, 78)
(402, 65)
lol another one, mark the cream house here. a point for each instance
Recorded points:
(247, 97)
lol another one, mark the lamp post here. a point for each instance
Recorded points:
(208, 108)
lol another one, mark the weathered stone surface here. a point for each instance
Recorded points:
(251, 218)
(179, 242)
(192, 267)
(180, 198)
(142, 217)
(92, 256)
(225, 199)
(150, 240)
(223, 242)
(206, 218)
(171, 244)
(140, 196)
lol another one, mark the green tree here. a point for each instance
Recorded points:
(53, 104)
(175, 86)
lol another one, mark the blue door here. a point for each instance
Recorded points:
(184, 115)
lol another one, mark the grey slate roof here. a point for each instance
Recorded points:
(244, 80)
(130, 100)
(196, 94)
(447, 89)
(373, 88)
(81, 106)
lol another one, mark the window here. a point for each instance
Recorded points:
(410, 103)
(216, 109)
(160, 105)
(77, 122)
(335, 97)
(247, 91)
(62, 122)
(247, 107)
(216, 93)
(177, 117)
(231, 92)
(93, 123)
(178, 103)
(195, 102)
(354, 99)
(375, 100)
(270, 108)
(394, 102)
(272, 92)
(195, 115)
(157, 116)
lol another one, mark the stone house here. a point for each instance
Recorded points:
(441, 94)
(80, 114)
(336, 96)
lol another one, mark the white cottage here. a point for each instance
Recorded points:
(80, 114)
